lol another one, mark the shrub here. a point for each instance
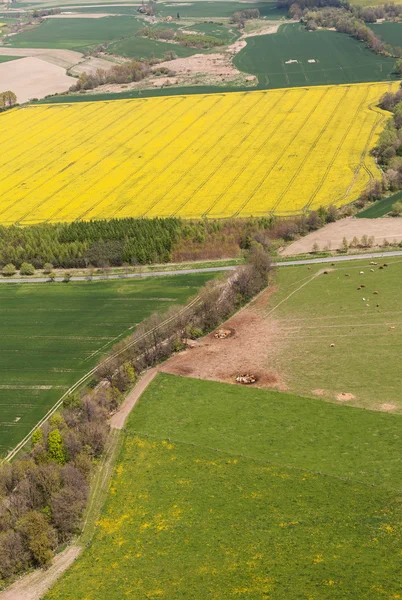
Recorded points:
(27, 269)
(47, 268)
(396, 209)
(9, 270)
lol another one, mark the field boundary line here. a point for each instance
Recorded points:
(256, 151)
(84, 378)
(294, 292)
(221, 161)
(336, 153)
(262, 460)
(286, 148)
(75, 145)
(178, 157)
(86, 153)
(311, 150)
(128, 185)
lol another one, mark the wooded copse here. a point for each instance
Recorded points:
(348, 19)
(388, 149)
(44, 492)
(132, 241)
(7, 100)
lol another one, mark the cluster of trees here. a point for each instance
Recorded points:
(7, 100)
(127, 72)
(156, 338)
(388, 150)
(241, 16)
(45, 12)
(43, 494)
(145, 241)
(148, 8)
(98, 243)
(347, 19)
(184, 39)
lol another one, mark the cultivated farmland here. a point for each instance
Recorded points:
(357, 308)
(296, 57)
(226, 492)
(51, 335)
(280, 152)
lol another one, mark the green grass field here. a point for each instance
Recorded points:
(391, 33)
(380, 208)
(197, 10)
(52, 334)
(78, 34)
(337, 58)
(4, 59)
(228, 492)
(309, 314)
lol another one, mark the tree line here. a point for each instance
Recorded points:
(130, 241)
(44, 492)
(348, 19)
(388, 149)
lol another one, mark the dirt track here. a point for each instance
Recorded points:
(36, 584)
(118, 419)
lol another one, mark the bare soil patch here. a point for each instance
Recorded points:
(345, 396)
(387, 407)
(91, 65)
(247, 351)
(33, 78)
(61, 58)
(80, 16)
(331, 235)
(36, 584)
(319, 392)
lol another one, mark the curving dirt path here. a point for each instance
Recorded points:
(34, 585)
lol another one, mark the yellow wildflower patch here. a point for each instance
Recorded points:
(216, 155)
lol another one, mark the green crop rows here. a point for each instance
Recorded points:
(380, 208)
(52, 334)
(282, 59)
(78, 34)
(226, 492)
(391, 33)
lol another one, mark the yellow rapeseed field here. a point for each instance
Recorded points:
(219, 155)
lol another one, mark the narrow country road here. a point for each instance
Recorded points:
(285, 263)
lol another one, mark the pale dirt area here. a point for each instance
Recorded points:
(80, 16)
(36, 584)
(61, 58)
(91, 65)
(119, 418)
(247, 351)
(33, 78)
(331, 235)
(206, 69)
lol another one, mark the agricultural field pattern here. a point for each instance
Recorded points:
(281, 152)
(53, 335)
(225, 492)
